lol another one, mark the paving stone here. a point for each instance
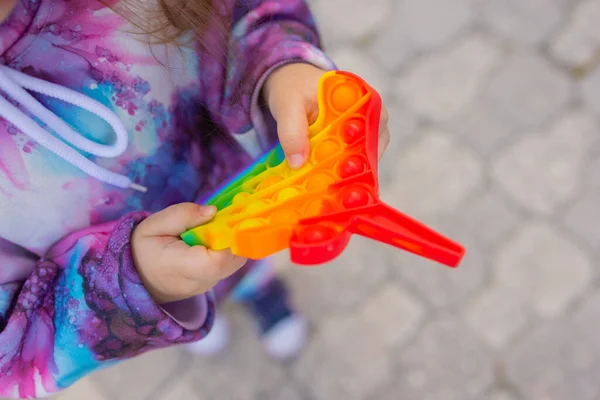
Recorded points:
(350, 59)
(345, 282)
(447, 362)
(179, 390)
(541, 171)
(480, 129)
(526, 90)
(390, 391)
(441, 85)
(590, 87)
(488, 217)
(592, 173)
(245, 363)
(434, 176)
(285, 392)
(544, 268)
(500, 395)
(429, 23)
(345, 360)
(393, 48)
(420, 25)
(356, 280)
(393, 313)
(497, 315)
(444, 287)
(404, 126)
(553, 362)
(244, 372)
(337, 20)
(84, 389)
(526, 22)
(578, 42)
(583, 218)
(139, 377)
(585, 319)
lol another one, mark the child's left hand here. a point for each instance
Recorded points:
(291, 94)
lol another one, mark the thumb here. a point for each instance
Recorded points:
(176, 219)
(292, 129)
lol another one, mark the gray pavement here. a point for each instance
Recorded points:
(495, 141)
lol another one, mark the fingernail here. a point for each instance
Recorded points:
(296, 160)
(208, 210)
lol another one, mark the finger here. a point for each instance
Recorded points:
(176, 219)
(384, 133)
(292, 129)
(384, 141)
(385, 117)
(198, 262)
(226, 262)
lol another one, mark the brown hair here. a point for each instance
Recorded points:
(170, 20)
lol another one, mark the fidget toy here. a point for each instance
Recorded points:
(313, 211)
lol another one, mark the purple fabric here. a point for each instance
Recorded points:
(71, 300)
(190, 313)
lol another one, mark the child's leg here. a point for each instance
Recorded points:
(283, 330)
(252, 278)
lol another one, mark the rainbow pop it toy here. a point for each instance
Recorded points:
(314, 210)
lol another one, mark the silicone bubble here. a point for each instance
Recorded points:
(240, 198)
(285, 217)
(355, 196)
(269, 181)
(321, 206)
(319, 182)
(326, 149)
(351, 166)
(352, 130)
(316, 234)
(256, 206)
(343, 96)
(252, 223)
(287, 194)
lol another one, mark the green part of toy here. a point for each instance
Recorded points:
(222, 197)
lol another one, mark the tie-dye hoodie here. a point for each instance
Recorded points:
(70, 298)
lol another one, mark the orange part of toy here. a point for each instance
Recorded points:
(314, 210)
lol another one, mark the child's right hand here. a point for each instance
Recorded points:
(169, 268)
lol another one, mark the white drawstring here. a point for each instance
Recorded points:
(12, 83)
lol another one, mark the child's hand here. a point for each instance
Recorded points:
(291, 94)
(169, 268)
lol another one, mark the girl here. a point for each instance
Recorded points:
(114, 120)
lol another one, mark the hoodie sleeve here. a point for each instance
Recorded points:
(265, 35)
(82, 307)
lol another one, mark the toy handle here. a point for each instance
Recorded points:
(389, 226)
(316, 242)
